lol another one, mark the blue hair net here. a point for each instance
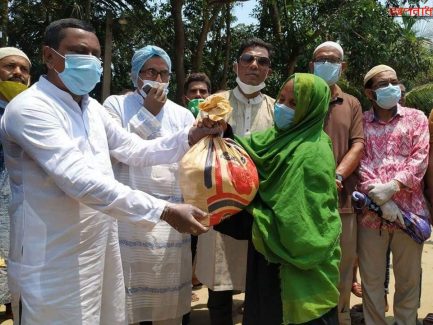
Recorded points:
(142, 55)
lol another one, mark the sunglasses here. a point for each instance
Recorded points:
(246, 59)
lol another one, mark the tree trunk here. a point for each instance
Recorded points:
(228, 45)
(108, 47)
(87, 9)
(179, 46)
(293, 59)
(275, 18)
(197, 58)
(4, 22)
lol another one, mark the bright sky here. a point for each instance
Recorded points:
(243, 11)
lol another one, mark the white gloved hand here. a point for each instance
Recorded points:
(381, 193)
(391, 212)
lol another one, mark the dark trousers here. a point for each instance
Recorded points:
(220, 307)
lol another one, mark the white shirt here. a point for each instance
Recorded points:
(58, 157)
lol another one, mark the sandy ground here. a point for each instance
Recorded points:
(200, 316)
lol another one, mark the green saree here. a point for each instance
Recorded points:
(295, 213)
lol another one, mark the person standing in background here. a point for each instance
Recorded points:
(14, 78)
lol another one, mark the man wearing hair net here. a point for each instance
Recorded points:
(14, 78)
(157, 263)
(391, 173)
(64, 262)
(343, 124)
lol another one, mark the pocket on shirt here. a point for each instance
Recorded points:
(164, 173)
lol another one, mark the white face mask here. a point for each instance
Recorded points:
(248, 89)
(153, 84)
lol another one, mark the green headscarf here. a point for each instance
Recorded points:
(296, 221)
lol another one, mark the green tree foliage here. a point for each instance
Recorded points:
(367, 33)
(211, 36)
(421, 97)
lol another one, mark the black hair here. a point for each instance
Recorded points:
(251, 42)
(197, 76)
(55, 31)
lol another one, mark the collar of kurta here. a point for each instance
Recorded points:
(338, 98)
(248, 101)
(46, 86)
(399, 111)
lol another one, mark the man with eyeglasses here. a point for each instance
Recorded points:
(343, 124)
(391, 173)
(64, 260)
(157, 263)
(221, 260)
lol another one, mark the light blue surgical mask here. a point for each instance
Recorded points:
(81, 74)
(330, 72)
(283, 116)
(153, 84)
(388, 97)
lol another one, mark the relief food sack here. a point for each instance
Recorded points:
(218, 176)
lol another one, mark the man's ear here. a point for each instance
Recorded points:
(269, 72)
(235, 68)
(343, 66)
(369, 93)
(311, 66)
(47, 56)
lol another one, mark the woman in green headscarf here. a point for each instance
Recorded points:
(292, 273)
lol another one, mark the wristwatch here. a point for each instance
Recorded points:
(339, 177)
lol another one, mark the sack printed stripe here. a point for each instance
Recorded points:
(224, 203)
(208, 166)
(225, 196)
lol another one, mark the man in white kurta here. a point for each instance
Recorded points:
(157, 263)
(64, 262)
(222, 260)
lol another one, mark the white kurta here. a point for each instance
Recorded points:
(156, 264)
(64, 260)
(222, 260)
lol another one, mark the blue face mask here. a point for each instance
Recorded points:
(388, 97)
(283, 116)
(81, 74)
(330, 72)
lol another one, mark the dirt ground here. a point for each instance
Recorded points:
(200, 316)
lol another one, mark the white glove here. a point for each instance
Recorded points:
(381, 193)
(391, 212)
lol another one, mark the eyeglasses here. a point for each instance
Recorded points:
(330, 60)
(246, 59)
(153, 73)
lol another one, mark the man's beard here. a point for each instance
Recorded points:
(18, 79)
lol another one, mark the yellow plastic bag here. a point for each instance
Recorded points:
(216, 174)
